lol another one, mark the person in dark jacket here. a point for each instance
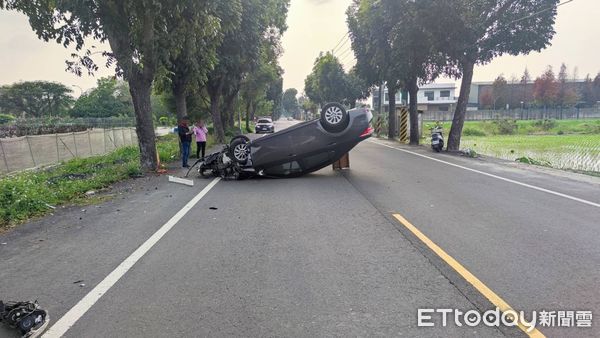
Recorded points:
(185, 136)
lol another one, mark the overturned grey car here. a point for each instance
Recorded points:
(295, 151)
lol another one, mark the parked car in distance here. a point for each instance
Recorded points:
(264, 125)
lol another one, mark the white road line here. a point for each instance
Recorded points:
(573, 198)
(77, 311)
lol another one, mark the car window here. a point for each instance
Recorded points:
(264, 121)
(285, 169)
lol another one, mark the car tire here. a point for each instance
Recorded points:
(334, 117)
(239, 149)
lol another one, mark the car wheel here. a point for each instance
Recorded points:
(239, 149)
(334, 117)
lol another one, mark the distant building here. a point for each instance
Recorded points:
(431, 97)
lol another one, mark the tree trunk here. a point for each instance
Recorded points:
(140, 90)
(413, 89)
(216, 116)
(461, 107)
(248, 106)
(180, 101)
(392, 113)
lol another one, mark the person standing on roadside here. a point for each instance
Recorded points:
(200, 131)
(185, 136)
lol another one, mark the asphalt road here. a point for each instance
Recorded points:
(320, 255)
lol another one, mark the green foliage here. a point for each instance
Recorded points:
(380, 124)
(6, 118)
(473, 132)
(32, 193)
(261, 24)
(505, 127)
(328, 82)
(35, 98)
(164, 121)
(290, 102)
(529, 160)
(545, 124)
(110, 98)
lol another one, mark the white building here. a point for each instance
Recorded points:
(431, 97)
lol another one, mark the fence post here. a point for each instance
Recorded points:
(104, 139)
(30, 152)
(57, 152)
(4, 156)
(123, 135)
(75, 143)
(90, 142)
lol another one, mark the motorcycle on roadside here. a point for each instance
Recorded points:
(437, 138)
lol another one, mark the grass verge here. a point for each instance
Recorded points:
(35, 193)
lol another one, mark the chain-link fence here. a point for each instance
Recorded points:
(517, 114)
(19, 153)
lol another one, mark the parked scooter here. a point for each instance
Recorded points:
(437, 139)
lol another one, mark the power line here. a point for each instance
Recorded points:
(345, 53)
(540, 12)
(342, 45)
(342, 39)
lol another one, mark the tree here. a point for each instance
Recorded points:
(196, 43)
(256, 85)
(476, 32)
(262, 23)
(275, 94)
(370, 29)
(566, 96)
(139, 36)
(356, 88)
(327, 82)
(36, 99)
(499, 92)
(290, 102)
(545, 89)
(393, 43)
(110, 98)
(308, 106)
(524, 83)
(588, 93)
(487, 99)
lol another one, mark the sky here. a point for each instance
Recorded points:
(313, 26)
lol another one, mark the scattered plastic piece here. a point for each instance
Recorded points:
(181, 181)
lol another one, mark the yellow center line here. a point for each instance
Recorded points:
(468, 276)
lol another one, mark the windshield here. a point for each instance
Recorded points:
(264, 121)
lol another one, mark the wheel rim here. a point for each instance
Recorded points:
(334, 115)
(241, 152)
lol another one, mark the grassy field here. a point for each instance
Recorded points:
(540, 127)
(35, 193)
(564, 144)
(572, 152)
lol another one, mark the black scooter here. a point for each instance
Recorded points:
(437, 139)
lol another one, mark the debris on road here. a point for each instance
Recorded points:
(213, 208)
(90, 193)
(27, 317)
(179, 180)
(77, 282)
